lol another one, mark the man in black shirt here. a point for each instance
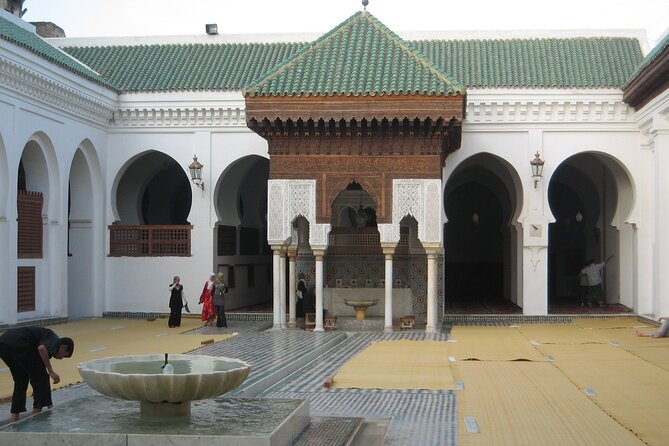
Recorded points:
(27, 352)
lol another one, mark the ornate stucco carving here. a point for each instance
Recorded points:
(287, 200)
(37, 86)
(505, 110)
(421, 199)
(333, 173)
(180, 117)
(275, 213)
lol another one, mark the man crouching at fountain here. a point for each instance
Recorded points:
(27, 352)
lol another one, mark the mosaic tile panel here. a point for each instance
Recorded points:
(410, 270)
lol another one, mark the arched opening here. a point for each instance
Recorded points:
(241, 251)
(153, 190)
(80, 290)
(152, 199)
(480, 255)
(584, 195)
(354, 230)
(35, 202)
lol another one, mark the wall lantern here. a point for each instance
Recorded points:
(537, 165)
(196, 172)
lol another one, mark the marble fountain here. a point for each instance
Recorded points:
(360, 306)
(160, 399)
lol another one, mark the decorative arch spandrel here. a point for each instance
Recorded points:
(373, 185)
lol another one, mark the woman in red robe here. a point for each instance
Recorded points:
(207, 301)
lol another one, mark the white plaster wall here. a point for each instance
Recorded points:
(510, 124)
(559, 124)
(140, 284)
(57, 110)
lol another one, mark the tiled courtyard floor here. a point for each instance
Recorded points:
(533, 384)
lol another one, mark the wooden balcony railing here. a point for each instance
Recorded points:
(149, 241)
(361, 243)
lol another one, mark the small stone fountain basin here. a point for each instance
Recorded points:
(360, 306)
(141, 378)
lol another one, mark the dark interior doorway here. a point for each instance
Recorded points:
(476, 241)
(583, 199)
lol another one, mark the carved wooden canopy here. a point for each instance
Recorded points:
(367, 139)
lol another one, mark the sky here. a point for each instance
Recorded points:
(96, 18)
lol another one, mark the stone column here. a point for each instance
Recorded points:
(276, 285)
(388, 311)
(292, 304)
(318, 255)
(282, 291)
(431, 322)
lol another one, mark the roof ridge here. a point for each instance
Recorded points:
(359, 16)
(419, 56)
(258, 83)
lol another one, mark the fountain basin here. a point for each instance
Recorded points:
(100, 420)
(360, 306)
(161, 395)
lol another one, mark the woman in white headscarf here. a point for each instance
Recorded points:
(207, 300)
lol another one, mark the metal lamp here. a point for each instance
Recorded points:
(537, 165)
(196, 172)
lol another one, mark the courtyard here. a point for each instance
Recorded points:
(588, 382)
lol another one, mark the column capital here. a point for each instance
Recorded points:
(388, 250)
(319, 252)
(292, 252)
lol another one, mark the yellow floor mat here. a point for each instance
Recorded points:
(561, 334)
(585, 352)
(491, 344)
(529, 403)
(614, 322)
(632, 391)
(400, 364)
(99, 338)
(655, 351)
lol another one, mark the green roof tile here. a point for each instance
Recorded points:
(359, 57)
(536, 63)
(32, 42)
(184, 67)
(512, 63)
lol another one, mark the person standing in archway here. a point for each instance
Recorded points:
(593, 271)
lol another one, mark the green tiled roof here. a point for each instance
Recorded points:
(32, 42)
(360, 57)
(536, 63)
(513, 63)
(654, 53)
(184, 67)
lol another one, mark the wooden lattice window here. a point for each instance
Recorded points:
(227, 240)
(26, 288)
(29, 210)
(149, 241)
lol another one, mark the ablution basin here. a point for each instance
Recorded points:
(164, 385)
(360, 306)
